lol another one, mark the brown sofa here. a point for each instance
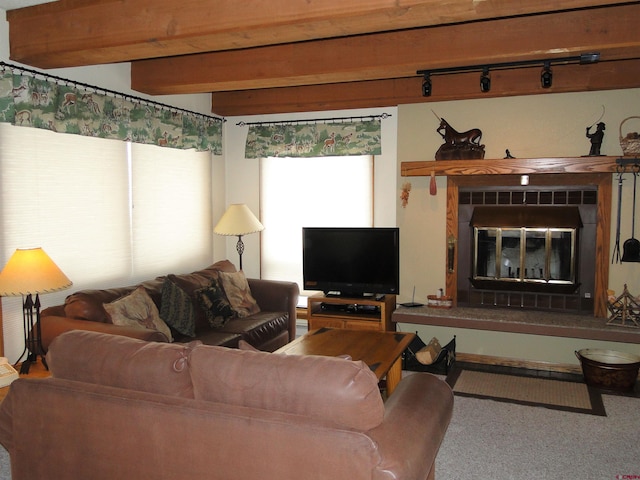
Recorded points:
(271, 328)
(117, 407)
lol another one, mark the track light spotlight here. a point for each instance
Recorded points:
(485, 80)
(426, 85)
(546, 77)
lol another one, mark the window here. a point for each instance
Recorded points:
(172, 214)
(309, 192)
(107, 214)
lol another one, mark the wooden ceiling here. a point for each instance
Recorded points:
(303, 55)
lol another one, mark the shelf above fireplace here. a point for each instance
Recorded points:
(510, 166)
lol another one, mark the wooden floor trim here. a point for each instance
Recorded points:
(517, 363)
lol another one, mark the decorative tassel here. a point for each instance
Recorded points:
(433, 188)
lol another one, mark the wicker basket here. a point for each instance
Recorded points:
(631, 142)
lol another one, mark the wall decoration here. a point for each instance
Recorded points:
(596, 139)
(404, 196)
(459, 145)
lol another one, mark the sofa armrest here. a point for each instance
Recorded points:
(52, 326)
(277, 296)
(417, 415)
(56, 310)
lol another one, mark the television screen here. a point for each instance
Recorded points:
(351, 261)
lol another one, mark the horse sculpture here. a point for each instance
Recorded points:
(458, 145)
(452, 137)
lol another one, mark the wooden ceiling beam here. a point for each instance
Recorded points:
(383, 93)
(611, 31)
(87, 32)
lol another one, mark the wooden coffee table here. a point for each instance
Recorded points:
(381, 351)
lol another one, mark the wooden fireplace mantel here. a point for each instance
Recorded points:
(510, 166)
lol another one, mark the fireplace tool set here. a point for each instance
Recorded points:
(625, 309)
(631, 247)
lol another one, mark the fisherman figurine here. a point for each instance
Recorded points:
(596, 139)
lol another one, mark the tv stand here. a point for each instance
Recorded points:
(363, 313)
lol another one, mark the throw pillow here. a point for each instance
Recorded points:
(237, 291)
(176, 309)
(214, 304)
(137, 310)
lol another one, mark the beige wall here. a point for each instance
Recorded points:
(550, 125)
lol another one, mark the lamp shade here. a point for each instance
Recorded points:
(238, 220)
(31, 270)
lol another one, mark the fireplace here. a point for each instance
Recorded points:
(522, 247)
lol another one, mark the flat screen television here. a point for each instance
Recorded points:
(351, 262)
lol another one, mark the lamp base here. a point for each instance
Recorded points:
(32, 334)
(240, 249)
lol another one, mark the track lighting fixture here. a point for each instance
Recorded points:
(485, 80)
(426, 85)
(546, 77)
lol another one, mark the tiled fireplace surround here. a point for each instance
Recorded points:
(547, 188)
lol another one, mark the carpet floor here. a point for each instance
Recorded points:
(573, 396)
(489, 440)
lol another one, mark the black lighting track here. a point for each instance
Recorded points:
(582, 59)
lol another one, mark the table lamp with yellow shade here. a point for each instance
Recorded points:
(31, 271)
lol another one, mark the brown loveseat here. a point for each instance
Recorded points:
(269, 329)
(117, 407)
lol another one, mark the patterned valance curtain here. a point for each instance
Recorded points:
(29, 101)
(361, 137)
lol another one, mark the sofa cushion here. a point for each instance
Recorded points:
(123, 362)
(176, 309)
(190, 282)
(237, 290)
(213, 302)
(137, 309)
(216, 337)
(261, 328)
(326, 388)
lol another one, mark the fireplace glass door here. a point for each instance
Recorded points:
(529, 255)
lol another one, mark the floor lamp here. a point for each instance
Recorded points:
(30, 271)
(238, 220)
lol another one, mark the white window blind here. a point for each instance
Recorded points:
(172, 225)
(69, 195)
(72, 196)
(309, 192)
